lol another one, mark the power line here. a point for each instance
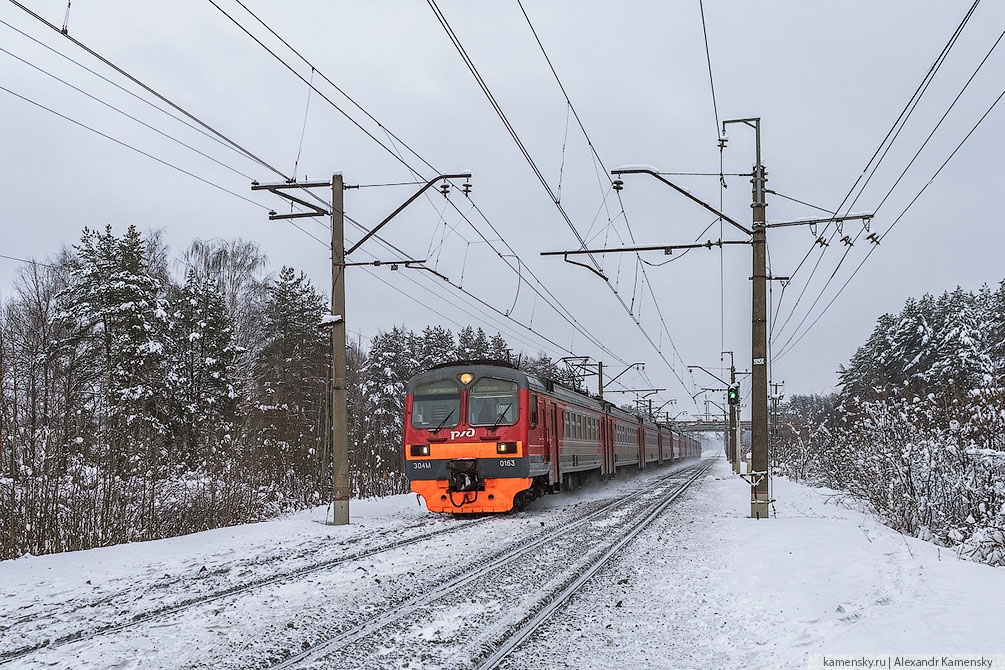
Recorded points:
(164, 99)
(337, 88)
(151, 156)
(533, 165)
(123, 88)
(708, 59)
(897, 220)
(877, 158)
(309, 83)
(28, 261)
(897, 182)
(131, 147)
(159, 96)
(552, 301)
(126, 114)
(148, 89)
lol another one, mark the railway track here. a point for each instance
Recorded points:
(157, 615)
(544, 614)
(188, 603)
(492, 632)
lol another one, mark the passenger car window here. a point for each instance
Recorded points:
(533, 411)
(492, 402)
(436, 403)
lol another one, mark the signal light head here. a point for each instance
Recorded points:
(733, 395)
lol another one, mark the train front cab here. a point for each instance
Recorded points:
(470, 444)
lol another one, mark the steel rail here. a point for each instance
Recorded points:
(83, 636)
(326, 647)
(514, 640)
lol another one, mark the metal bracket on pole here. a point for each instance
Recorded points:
(278, 189)
(582, 265)
(372, 232)
(686, 194)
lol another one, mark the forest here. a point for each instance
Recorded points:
(916, 432)
(146, 395)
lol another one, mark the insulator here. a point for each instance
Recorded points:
(394, 266)
(444, 189)
(822, 242)
(466, 189)
(847, 240)
(618, 185)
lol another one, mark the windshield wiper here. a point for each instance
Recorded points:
(499, 418)
(436, 430)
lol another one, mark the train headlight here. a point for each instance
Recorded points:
(420, 450)
(506, 448)
(466, 378)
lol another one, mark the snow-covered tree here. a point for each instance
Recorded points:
(390, 363)
(435, 346)
(202, 357)
(292, 372)
(472, 344)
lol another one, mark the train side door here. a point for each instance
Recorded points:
(553, 446)
(605, 439)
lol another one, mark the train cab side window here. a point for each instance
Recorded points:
(533, 411)
(436, 404)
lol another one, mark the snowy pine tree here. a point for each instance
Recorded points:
(116, 321)
(292, 371)
(202, 357)
(435, 346)
(390, 363)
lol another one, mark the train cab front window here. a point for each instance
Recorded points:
(492, 402)
(436, 405)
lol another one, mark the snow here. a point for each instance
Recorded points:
(635, 166)
(703, 587)
(710, 587)
(818, 219)
(329, 319)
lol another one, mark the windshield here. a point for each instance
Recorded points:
(492, 402)
(436, 405)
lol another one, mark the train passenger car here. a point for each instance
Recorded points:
(483, 436)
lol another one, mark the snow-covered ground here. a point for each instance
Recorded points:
(702, 587)
(708, 587)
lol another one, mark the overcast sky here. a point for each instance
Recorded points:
(827, 80)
